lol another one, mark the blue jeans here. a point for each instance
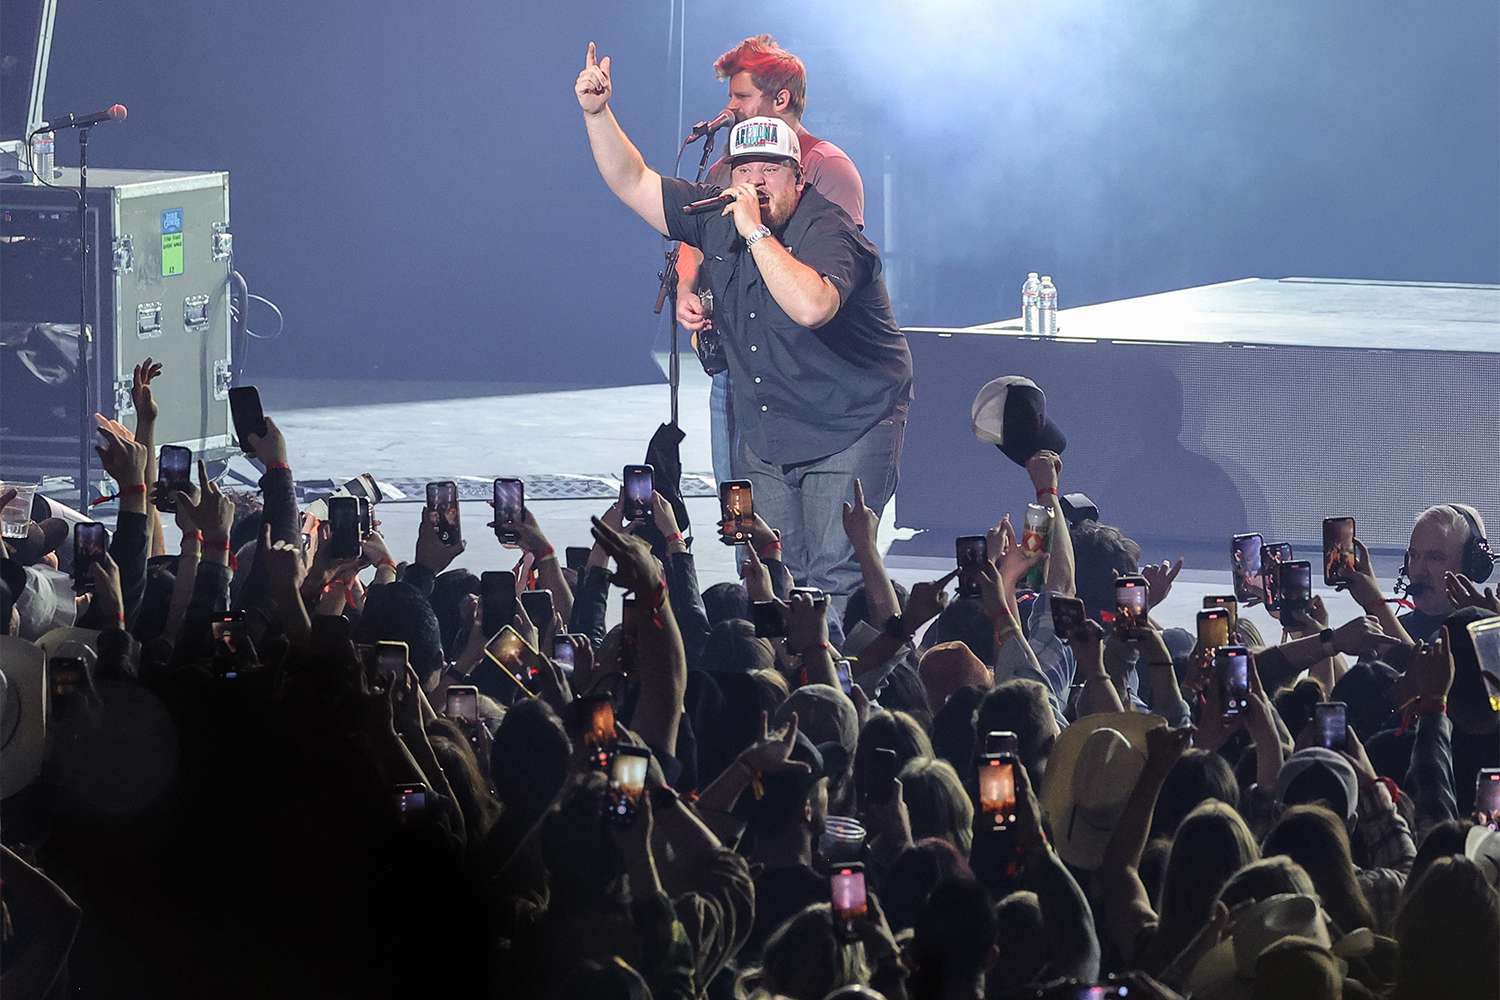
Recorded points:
(805, 501)
(721, 428)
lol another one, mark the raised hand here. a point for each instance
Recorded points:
(124, 459)
(270, 448)
(1362, 637)
(861, 524)
(1016, 562)
(745, 208)
(1159, 577)
(1363, 586)
(431, 552)
(772, 751)
(756, 577)
(108, 594)
(806, 623)
(593, 87)
(927, 601)
(664, 516)
(1429, 672)
(210, 512)
(1044, 467)
(1464, 593)
(140, 391)
(636, 569)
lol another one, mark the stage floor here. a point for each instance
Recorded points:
(416, 431)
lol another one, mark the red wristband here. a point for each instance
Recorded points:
(675, 536)
(120, 618)
(131, 491)
(545, 553)
(1047, 491)
(278, 465)
(768, 548)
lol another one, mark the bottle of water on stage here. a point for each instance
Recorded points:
(42, 145)
(1028, 302)
(1047, 308)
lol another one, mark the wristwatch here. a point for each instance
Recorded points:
(1326, 638)
(760, 233)
(895, 627)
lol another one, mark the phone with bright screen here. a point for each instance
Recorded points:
(969, 553)
(510, 510)
(564, 653)
(997, 790)
(596, 729)
(343, 527)
(1487, 798)
(1272, 555)
(1331, 722)
(411, 800)
(1132, 602)
(1229, 603)
(90, 542)
(174, 476)
(627, 783)
(1338, 550)
(463, 703)
(497, 600)
(846, 891)
(1294, 587)
(1213, 628)
(1245, 565)
(639, 484)
(1232, 673)
(442, 511)
(736, 511)
(845, 673)
(389, 661)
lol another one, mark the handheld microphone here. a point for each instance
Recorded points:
(709, 204)
(725, 117)
(113, 113)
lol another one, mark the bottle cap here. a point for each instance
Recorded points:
(1046, 277)
(1031, 274)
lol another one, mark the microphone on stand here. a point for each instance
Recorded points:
(113, 113)
(709, 204)
(725, 117)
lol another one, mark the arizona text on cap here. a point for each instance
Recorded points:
(764, 137)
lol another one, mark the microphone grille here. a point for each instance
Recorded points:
(117, 112)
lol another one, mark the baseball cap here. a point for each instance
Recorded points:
(764, 137)
(1010, 413)
(824, 713)
(1315, 769)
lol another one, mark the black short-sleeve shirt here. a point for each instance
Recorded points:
(799, 394)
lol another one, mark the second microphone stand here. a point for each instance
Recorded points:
(668, 276)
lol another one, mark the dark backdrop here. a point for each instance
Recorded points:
(412, 185)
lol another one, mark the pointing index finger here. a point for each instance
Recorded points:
(859, 494)
(588, 59)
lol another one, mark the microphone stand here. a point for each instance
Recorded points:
(83, 331)
(668, 276)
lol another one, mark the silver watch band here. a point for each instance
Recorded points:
(761, 232)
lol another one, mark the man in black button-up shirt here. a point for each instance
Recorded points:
(807, 328)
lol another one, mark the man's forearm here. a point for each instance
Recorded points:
(1060, 569)
(807, 297)
(878, 590)
(689, 259)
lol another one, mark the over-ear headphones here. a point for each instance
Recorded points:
(1478, 563)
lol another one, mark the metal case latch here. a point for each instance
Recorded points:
(223, 241)
(222, 379)
(124, 405)
(148, 320)
(195, 311)
(124, 254)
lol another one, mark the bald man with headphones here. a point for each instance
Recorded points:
(1447, 538)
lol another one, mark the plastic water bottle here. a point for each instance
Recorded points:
(1028, 302)
(1047, 308)
(42, 146)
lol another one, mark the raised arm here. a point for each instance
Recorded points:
(619, 162)
(861, 525)
(1044, 468)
